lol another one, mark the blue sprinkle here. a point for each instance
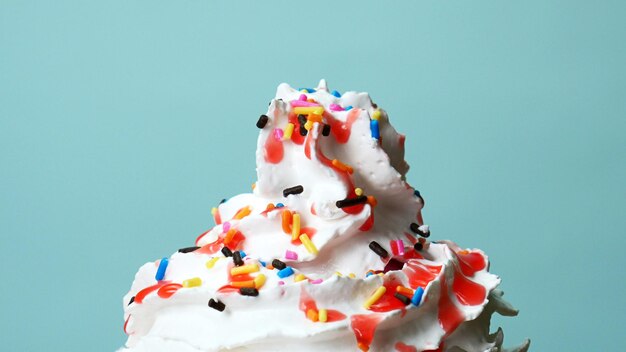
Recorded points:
(160, 274)
(417, 296)
(243, 254)
(288, 271)
(375, 129)
(279, 205)
(336, 93)
(262, 263)
(369, 274)
(308, 90)
(349, 107)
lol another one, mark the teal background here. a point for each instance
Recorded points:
(123, 122)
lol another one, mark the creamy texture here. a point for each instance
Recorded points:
(459, 293)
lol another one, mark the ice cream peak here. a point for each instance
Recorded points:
(329, 251)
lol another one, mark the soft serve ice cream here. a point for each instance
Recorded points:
(328, 252)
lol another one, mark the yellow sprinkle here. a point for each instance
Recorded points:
(311, 314)
(253, 186)
(295, 226)
(308, 125)
(259, 281)
(305, 110)
(338, 274)
(288, 131)
(247, 283)
(299, 277)
(381, 274)
(376, 115)
(242, 213)
(358, 191)
(196, 281)
(213, 211)
(211, 262)
(303, 91)
(244, 269)
(375, 297)
(306, 241)
(322, 315)
(352, 275)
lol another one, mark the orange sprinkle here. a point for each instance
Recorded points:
(311, 314)
(341, 166)
(371, 200)
(229, 236)
(242, 213)
(286, 216)
(247, 283)
(404, 290)
(315, 118)
(363, 347)
(253, 186)
(270, 206)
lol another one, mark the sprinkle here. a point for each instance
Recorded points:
(400, 246)
(227, 252)
(247, 283)
(405, 290)
(188, 249)
(338, 274)
(315, 118)
(248, 291)
(375, 297)
(281, 282)
(302, 97)
(371, 200)
(304, 90)
(253, 186)
(420, 230)
(376, 115)
(418, 246)
(242, 213)
(211, 262)
(369, 273)
(322, 315)
(299, 277)
(226, 226)
(262, 263)
(316, 281)
(417, 297)
(286, 221)
(243, 254)
(229, 236)
(349, 107)
(378, 249)
(311, 314)
(196, 281)
(310, 103)
(303, 131)
(305, 110)
(336, 93)
(308, 244)
(278, 264)
(237, 258)
(160, 274)
(404, 299)
(352, 275)
(132, 299)
(307, 90)
(291, 255)
(351, 201)
(279, 205)
(358, 191)
(259, 281)
(341, 166)
(288, 271)
(223, 201)
(293, 190)
(244, 269)
(308, 125)
(295, 226)
(326, 130)
(335, 107)
(262, 121)
(278, 134)
(302, 119)
(217, 305)
(213, 211)
(375, 129)
(288, 131)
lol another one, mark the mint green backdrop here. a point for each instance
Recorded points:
(123, 122)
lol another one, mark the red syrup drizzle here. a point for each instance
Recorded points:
(273, 149)
(296, 137)
(369, 222)
(467, 291)
(215, 246)
(388, 302)
(449, 315)
(420, 275)
(401, 347)
(439, 349)
(148, 290)
(166, 291)
(471, 262)
(217, 217)
(410, 238)
(306, 303)
(126, 324)
(341, 130)
(364, 327)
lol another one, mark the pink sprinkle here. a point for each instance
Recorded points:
(226, 226)
(300, 103)
(281, 282)
(302, 97)
(400, 246)
(291, 255)
(335, 107)
(316, 281)
(278, 133)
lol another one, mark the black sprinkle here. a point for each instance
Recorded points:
(227, 252)
(326, 130)
(262, 121)
(132, 299)
(378, 249)
(303, 130)
(217, 305)
(404, 299)
(374, 105)
(416, 228)
(188, 249)
(351, 201)
(237, 258)
(302, 119)
(418, 246)
(249, 291)
(278, 264)
(293, 190)
(223, 201)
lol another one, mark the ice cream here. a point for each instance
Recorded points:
(328, 252)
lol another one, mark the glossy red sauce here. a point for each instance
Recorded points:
(218, 244)
(166, 291)
(306, 303)
(467, 291)
(369, 222)
(296, 137)
(388, 302)
(148, 290)
(307, 145)
(420, 274)
(217, 217)
(126, 324)
(401, 347)
(341, 130)
(471, 262)
(273, 149)
(449, 315)
(364, 327)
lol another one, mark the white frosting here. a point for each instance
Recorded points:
(272, 321)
